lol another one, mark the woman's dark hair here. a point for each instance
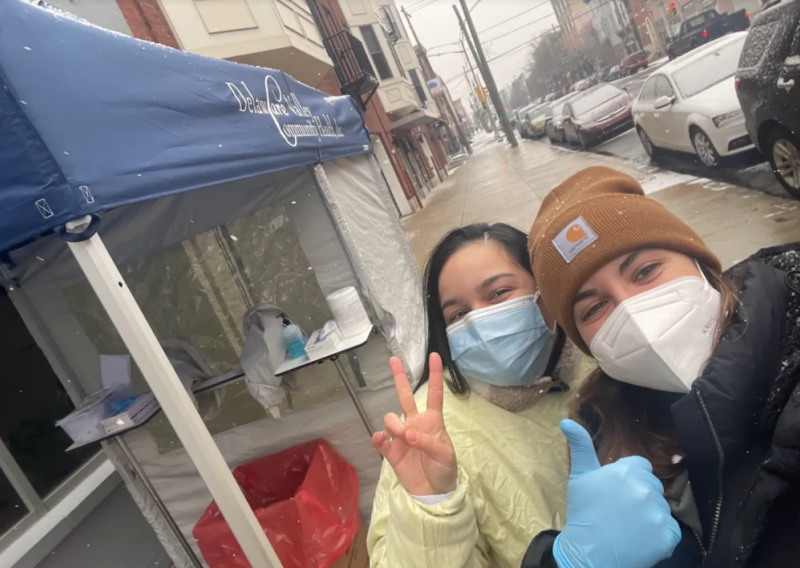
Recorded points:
(515, 243)
(623, 418)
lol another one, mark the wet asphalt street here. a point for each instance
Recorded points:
(749, 170)
(499, 183)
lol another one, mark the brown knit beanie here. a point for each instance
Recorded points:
(589, 220)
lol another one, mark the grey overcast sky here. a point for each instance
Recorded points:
(505, 27)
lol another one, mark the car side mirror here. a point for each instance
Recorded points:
(664, 101)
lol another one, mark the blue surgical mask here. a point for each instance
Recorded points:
(504, 345)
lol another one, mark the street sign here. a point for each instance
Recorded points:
(435, 86)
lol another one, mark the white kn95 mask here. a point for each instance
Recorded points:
(661, 339)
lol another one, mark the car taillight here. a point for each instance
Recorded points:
(747, 15)
(705, 33)
(736, 83)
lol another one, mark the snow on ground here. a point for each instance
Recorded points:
(662, 180)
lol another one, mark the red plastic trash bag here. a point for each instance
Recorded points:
(306, 500)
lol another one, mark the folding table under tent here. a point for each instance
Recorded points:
(150, 196)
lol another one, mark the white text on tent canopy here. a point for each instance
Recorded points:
(276, 105)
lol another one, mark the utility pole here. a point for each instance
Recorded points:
(474, 102)
(485, 103)
(410, 25)
(462, 137)
(473, 98)
(489, 79)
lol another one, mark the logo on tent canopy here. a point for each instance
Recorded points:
(44, 208)
(285, 107)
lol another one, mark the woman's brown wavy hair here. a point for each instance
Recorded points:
(620, 415)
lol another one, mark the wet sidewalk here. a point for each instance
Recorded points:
(501, 184)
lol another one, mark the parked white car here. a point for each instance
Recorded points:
(690, 104)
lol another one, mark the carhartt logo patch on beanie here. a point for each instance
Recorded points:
(575, 237)
(589, 220)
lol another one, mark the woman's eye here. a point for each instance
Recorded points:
(593, 311)
(500, 293)
(646, 271)
(457, 316)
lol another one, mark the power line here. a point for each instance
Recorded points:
(459, 79)
(498, 24)
(520, 46)
(420, 6)
(519, 28)
(546, 2)
(442, 45)
(475, 4)
(529, 42)
(523, 45)
(444, 53)
(414, 5)
(540, 35)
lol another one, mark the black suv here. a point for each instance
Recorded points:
(768, 85)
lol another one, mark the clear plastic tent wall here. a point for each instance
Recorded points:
(195, 263)
(207, 209)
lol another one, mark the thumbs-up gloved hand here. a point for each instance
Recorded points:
(617, 516)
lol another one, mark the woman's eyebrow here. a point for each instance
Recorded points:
(492, 279)
(631, 257)
(449, 303)
(583, 295)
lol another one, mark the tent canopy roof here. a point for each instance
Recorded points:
(93, 120)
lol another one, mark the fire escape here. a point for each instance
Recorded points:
(352, 66)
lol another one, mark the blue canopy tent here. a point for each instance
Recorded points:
(93, 120)
(114, 150)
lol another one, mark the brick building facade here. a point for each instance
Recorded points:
(378, 122)
(147, 21)
(374, 116)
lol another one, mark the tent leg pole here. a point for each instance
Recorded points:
(162, 508)
(354, 397)
(106, 280)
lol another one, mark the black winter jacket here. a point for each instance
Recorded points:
(740, 430)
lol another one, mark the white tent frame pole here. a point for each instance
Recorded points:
(128, 319)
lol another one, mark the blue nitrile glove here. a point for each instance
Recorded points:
(617, 516)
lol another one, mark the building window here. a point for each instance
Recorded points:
(418, 86)
(12, 509)
(390, 24)
(394, 54)
(375, 50)
(31, 400)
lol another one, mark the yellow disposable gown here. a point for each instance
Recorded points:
(513, 484)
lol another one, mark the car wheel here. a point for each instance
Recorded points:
(648, 145)
(704, 148)
(670, 55)
(783, 150)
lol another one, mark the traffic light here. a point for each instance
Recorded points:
(483, 93)
(673, 10)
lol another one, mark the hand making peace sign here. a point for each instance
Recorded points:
(420, 450)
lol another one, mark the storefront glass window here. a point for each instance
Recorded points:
(12, 509)
(31, 400)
